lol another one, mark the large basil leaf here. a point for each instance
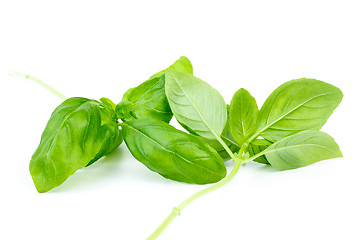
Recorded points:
(302, 149)
(172, 153)
(148, 100)
(195, 104)
(242, 115)
(74, 136)
(295, 106)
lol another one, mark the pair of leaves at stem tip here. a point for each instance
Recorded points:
(294, 107)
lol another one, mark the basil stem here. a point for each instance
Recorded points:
(48, 87)
(238, 160)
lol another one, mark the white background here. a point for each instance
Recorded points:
(100, 49)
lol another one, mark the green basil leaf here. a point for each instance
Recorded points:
(73, 137)
(195, 104)
(123, 109)
(257, 146)
(109, 134)
(111, 137)
(297, 105)
(302, 149)
(149, 99)
(107, 103)
(172, 153)
(242, 115)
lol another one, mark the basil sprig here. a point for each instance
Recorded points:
(284, 133)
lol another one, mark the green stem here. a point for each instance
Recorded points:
(230, 153)
(177, 210)
(48, 87)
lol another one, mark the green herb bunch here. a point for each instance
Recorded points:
(284, 133)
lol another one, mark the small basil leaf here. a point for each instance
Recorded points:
(302, 149)
(109, 134)
(257, 146)
(123, 109)
(149, 99)
(242, 115)
(107, 109)
(111, 137)
(297, 105)
(172, 153)
(72, 138)
(195, 104)
(107, 103)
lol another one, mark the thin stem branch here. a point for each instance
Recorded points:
(230, 153)
(177, 210)
(48, 87)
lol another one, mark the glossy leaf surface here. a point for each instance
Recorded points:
(149, 99)
(172, 153)
(195, 104)
(111, 137)
(242, 115)
(302, 149)
(74, 135)
(108, 105)
(297, 105)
